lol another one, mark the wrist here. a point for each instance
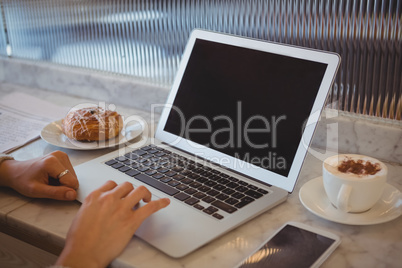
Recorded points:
(75, 259)
(5, 166)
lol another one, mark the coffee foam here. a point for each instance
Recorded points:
(331, 165)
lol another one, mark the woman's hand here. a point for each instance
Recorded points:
(32, 178)
(105, 223)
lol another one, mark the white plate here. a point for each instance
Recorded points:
(53, 134)
(313, 197)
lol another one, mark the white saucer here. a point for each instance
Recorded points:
(52, 134)
(313, 197)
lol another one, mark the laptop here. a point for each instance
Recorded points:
(230, 141)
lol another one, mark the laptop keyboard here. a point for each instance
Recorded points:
(197, 185)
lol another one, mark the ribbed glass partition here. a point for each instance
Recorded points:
(3, 40)
(145, 38)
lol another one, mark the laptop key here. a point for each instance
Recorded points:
(139, 152)
(193, 176)
(165, 179)
(203, 189)
(185, 172)
(150, 172)
(132, 172)
(199, 195)
(120, 158)
(142, 160)
(195, 184)
(191, 201)
(210, 183)
(178, 177)
(231, 201)
(160, 154)
(237, 195)
(225, 207)
(253, 194)
(181, 196)
(153, 151)
(173, 183)
(212, 192)
(233, 179)
(201, 179)
(243, 183)
(262, 191)
(218, 216)
(198, 206)
(117, 165)
(186, 181)
(134, 165)
(158, 176)
(124, 168)
(170, 173)
(208, 211)
(190, 191)
(111, 162)
(156, 184)
(232, 185)
(245, 201)
(208, 199)
(241, 189)
(198, 170)
(182, 187)
(228, 191)
(163, 170)
(223, 181)
(177, 169)
(219, 187)
(222, 196)
(252, 187)
(213, 209)
(148, 164)
(154, 167)
(206, 174)
(143, 169)
(132, 156)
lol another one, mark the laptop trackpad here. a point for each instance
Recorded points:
(171, 229)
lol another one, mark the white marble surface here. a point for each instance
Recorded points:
(362, 246)
(359, 134)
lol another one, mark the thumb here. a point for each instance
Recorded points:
(56, 192)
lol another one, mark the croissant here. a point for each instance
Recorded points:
(92, 124)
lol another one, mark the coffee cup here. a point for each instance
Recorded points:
(352, 182)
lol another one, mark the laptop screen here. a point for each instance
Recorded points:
(245, 103)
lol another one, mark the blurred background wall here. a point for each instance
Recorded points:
(146, 38)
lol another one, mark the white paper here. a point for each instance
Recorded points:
(22, 118)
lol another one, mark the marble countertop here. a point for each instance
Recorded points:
(47, 221)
